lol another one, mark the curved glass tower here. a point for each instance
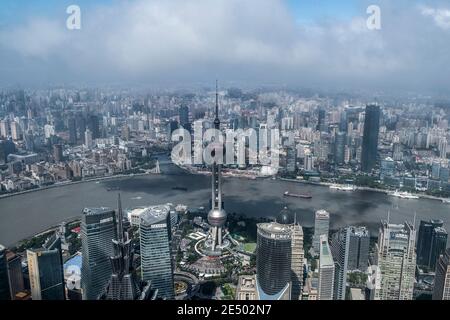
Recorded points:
(273, 261)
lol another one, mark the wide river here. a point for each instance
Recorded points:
(23, 215)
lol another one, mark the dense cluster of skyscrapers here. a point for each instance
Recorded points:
(112, 134)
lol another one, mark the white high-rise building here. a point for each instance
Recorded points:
(326, 270)
(88, 140)
(16, 132)
(443, 148)
(4, 128)
(297, 261)
(321, 226)
(396, 255)
(49, 131)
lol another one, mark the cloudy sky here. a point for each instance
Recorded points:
(304, 43)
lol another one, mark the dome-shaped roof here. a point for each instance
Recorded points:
(285, 216)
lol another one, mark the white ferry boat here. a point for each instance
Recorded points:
(339, 187)
(403, 195)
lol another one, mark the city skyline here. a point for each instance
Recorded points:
(315, 167)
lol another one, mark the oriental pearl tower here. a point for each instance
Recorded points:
(217, 215)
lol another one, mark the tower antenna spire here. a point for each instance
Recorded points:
(217, 215)
(119, 219)
(217, 100)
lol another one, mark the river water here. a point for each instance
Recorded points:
(24, 215)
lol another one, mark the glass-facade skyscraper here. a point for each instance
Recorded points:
(45, 269)
(273, 261)
(321, 226)
(350, 249)
(442, 279)
(4, 281)
(370, 138)
(431, 242)
(339, 147)
(156, 262)
(98, 229)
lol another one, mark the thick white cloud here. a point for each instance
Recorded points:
(440, 16)
(179, 41)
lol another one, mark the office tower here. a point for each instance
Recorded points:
(125, 133)
(359, 249)
(343, 121)
(88, 139)
(387, 168)
(4, 280)
(156, 262)
(183, 114)
(45, 269)
(339, 147)
(172, 125)
(291, 159)
(273, 261)
(217, 215)
(431, 242)
(29, 140)
(15, 276)
(123, 284)
(58, 152)
(321, 226)
(326, 270)
(309, 162)
(444, 174)
(370, 138)
(297, 255)
(16, 132)
(442, 147)
(94, 126)
(435, 168)
(438, 245)
(396, 258)
(340, 247)
(321, 126)
(442, 279)
(98, 228)
(72, 126)
(81, 125)
(350, 250)
(4, 128)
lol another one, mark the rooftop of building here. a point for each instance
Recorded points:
(322, 214)
(94, 211)
(360, 231)
(326, 258)
(154, 214)
(274, 228)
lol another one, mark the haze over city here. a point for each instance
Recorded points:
(215, 151)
